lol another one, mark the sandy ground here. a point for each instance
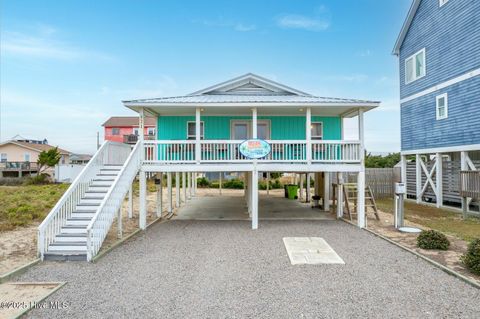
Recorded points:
(16, 297)
(449, 258)
(17, 247)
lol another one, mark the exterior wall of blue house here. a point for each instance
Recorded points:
(421, 130)
(451, 38)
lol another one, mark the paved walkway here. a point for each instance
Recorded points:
(222, 269)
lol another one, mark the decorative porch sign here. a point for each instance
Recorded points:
(255, 148)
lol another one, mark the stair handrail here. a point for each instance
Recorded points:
(101, 222)
(62, 210)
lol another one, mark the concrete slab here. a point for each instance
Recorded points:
(228, 207)
(310, 251)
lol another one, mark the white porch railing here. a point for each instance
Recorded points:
(101, 222)
(109, 153)
(227, 151)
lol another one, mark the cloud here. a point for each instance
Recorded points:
(295, 21)
(365, 53)
(161, 86)
(42, 43)
(356, 78)
(225, 23)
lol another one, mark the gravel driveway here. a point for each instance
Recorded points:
(223, 269)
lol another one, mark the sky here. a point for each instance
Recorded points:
(65, 66)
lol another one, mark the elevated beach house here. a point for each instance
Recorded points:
(247, 125)
(439, 61)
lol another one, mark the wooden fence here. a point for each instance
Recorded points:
(380, 180)
(470, 184)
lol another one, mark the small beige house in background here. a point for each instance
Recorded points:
(18, 158)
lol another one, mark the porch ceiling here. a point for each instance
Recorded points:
(246, 110)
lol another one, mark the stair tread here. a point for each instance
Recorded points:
(75, 226)
(65, 252)
(71, 235)
(71, 243)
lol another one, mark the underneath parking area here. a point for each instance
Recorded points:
(231, 205)
(223, 269)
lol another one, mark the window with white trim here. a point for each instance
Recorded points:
(26, 157)
(442, 106)
(317, 130)
(442, 2)
(151, 131)
(191, 130)
(415, 67)
(3, 157)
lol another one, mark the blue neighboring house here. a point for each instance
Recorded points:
(439, 61)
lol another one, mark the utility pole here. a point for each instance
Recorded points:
(98, 140)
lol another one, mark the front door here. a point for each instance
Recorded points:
(242, 130)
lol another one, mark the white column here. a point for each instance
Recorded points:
(169, 188)
(119, 223)
(418, 178)
(326, 191)
(254, 200)
(308, 134)
(439, 179)
(307, 195)
(194, 184)
(403, 173)
(160, 195)
(197, 135)
(361, 199)
(220, 182)
(361, 174)
(177, 189)
(300, 195)
(142, 220)
(190, 184)
(340, 195)
(254, 122)
(141, 126)
(184, 187)
(268, 183)
(464, 167)
(248, 189)
(130, 202)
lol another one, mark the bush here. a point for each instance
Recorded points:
(432, 239)
(40, 179)
(471, 259)
(262, 185)
(233, 184)
(203, 182)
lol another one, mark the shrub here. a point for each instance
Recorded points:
(432, 239)
(215, 185)
(262, 185)
(203, 182)
(471, 258)
(39, 179)
(233, 184)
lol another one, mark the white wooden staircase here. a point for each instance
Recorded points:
(79, 222)
(71, 242)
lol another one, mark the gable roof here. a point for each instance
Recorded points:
(127, 121)
(406, 26)
(36, 147)
(247, 89)
(250, 84)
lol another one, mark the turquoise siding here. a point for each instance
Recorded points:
(218, 127)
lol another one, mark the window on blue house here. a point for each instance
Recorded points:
(442, 2)
(415, 66)
(442, 106)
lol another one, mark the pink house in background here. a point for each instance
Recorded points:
(124, 129)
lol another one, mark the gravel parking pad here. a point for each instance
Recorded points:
(223, 269)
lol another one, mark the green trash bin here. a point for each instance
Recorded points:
(292, 191)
